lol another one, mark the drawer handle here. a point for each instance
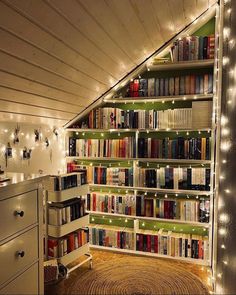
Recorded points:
(20, 213)
(21, 254)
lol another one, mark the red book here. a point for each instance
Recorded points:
(131, 88)
(149, 247)
(107, 241)
(70, 243)
(53, 248)
(156, 244)
(102, 206)
(79, 238)
(118, 239)
(166, 209)
(136, 88)
(200, 250)
(94, 202)
(99, 175)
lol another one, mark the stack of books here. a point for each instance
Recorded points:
(174, 244)
(110, 238)
(175, 178)
(65, 212)
(193, 48)
(60, 247)
(177, 148)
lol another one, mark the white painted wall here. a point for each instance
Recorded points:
(50, 159)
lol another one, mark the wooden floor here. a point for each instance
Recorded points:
(102, 258)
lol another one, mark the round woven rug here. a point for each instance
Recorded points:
(137, 276)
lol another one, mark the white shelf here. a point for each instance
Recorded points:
(112, 130)
(111, 227)
(192, 64)
(182, 259)
(155, 190)
(60, 196)
(62, 230)
(174, 161)
(162, 99)
(192, 223)
(72, 256)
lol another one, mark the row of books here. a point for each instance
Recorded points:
(113, 148)
(65, 212)
(111, 238)
(193, 48)
(170, 86)
(177, 148)
(175, 178)
(112, 203)
(110, 176)
(187, 210)
(60, 247)
(113, 118)
(174, 244)
(62, 182)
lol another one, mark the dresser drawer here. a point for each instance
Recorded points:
(17, 213)
(16, 254)
(26, 283)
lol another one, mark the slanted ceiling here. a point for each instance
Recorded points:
(58, 56)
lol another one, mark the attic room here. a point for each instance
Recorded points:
(117, 147)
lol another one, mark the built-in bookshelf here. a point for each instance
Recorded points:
(67, 233)
(149, 154)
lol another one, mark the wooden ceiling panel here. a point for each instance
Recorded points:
(58, 56)
(54, 23)
(9, 94)
(20, 48)
(83, 21)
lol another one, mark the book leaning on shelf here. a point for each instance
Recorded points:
(62, 246)
(186, 210)
(174, 244)
(175, 178)
(65, 212)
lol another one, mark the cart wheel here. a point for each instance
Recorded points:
(91, 264)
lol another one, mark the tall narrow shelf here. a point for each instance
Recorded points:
(61, 189)
(199, 188)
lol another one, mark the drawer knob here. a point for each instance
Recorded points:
(21, 253)
(20, 213)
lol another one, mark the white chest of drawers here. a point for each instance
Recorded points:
(21, 236)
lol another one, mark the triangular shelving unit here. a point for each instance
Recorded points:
(113, 212)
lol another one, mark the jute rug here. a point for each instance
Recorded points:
(132, 275)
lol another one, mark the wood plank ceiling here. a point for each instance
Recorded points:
(58, 56)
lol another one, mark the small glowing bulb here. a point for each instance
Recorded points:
(223, 246)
